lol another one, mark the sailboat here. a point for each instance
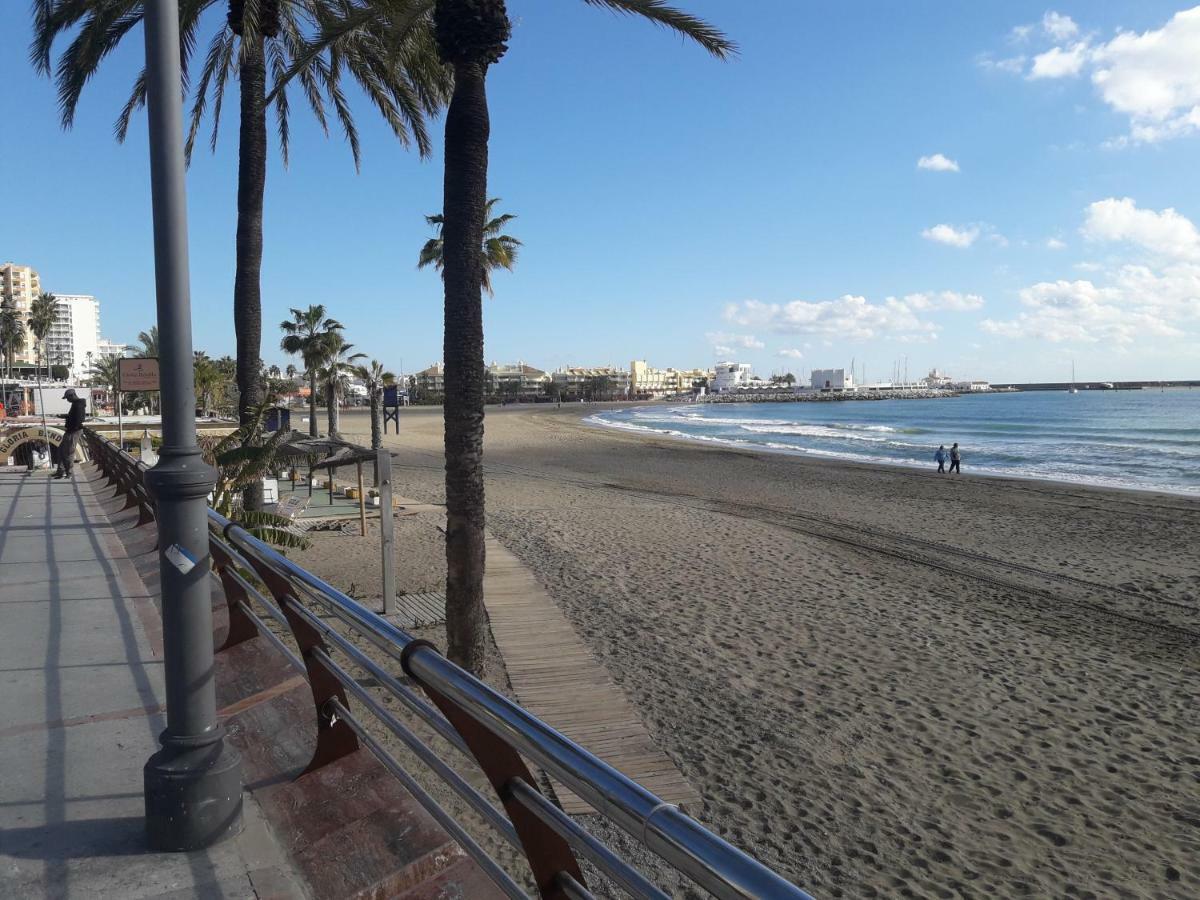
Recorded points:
(1073, 389)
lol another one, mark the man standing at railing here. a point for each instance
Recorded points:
(74, 424)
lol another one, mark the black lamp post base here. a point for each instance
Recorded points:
(193, 794)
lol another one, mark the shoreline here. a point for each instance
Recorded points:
(591, 421)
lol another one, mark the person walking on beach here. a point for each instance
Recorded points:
(940, 459)
(72, 427)
(955, 459)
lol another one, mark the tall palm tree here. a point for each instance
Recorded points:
(306, 336)
(471, 37)
(42, 313)
(375, 378)
(291, 372)
(337, 364)
(499, 249)
(12, 335)
(263, 44)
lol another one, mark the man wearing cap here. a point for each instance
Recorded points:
(74, 425)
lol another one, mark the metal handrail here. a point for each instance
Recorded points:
(680, 841)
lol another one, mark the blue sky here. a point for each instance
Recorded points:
(679, 209)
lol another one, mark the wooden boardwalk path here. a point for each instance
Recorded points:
(556, 678)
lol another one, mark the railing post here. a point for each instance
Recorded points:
(241, 626)
(387, 526)
(335, 738)
(193, 785)
(547, 853)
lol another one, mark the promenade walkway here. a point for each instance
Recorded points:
(81, 694)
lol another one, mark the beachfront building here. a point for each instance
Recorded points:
(972, 387)
(430, 381)
(74, 338)
(832, 380)
(517, 382)
(591, 382)
(937, 380)
(730, 376)
(19, 286)
(647, 381)
(106, 348)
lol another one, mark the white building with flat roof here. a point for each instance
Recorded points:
(729, 376)
(74, 338)
(832, 380)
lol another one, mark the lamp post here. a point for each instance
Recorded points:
(193, 785)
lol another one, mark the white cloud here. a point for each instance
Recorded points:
(1020, 33)
(1166, 234)
(952, 236)
(1055, 244)
(937, 163)
(1080, 311)
(1059, 62)
(725, 342)
(790, 354)
(945, 300)
(848, 316)
(1151, 77)
(1059, 26)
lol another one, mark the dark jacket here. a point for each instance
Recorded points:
(76, 415)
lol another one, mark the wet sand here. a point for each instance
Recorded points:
(883, 682)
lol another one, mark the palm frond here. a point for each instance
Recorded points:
(662, 13)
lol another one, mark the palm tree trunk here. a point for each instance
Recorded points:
(331, 407)
(465, 196)
(312, 404)
(252, 185)
(376, 431)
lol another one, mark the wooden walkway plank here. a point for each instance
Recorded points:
(558, 679)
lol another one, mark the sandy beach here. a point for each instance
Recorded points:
(882, 682)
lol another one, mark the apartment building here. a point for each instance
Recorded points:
(19, 285)
(74, 338)
(579, 381)
(647, 381)
(517, 380)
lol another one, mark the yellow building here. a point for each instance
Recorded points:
(646, 380)
(19, 286)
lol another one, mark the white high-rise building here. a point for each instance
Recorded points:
(74, 334)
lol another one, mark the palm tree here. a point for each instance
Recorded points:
(307, 335)
(104, 371)
(336, 365)
(12, 335)
(291, 372)
(471, 36)
(149, 340)
(42, 313)
(263, 44)
(499, 249)
(375, 378)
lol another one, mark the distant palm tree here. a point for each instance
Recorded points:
(104, 372)
(499, 250)
(291, 372)
(336, 365)
(306, 336)
(263, 44)
(12, 336)
(375, 378)
(149, 340)
(42, 313)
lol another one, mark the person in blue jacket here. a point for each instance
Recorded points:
(940, 458)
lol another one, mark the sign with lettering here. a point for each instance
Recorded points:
(137, 374)
(11, 440)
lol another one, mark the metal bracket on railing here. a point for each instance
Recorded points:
(546, 851)
(241, 626)
(335, 738)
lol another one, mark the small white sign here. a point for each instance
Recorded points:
(180, 559)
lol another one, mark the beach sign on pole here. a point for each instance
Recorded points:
(137, 374)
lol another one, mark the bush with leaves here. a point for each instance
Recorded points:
(241, 459)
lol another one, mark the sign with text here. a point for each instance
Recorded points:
(137, 374)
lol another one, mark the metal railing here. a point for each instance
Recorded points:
(491, 732)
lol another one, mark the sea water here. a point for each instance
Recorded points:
(1148, 439)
